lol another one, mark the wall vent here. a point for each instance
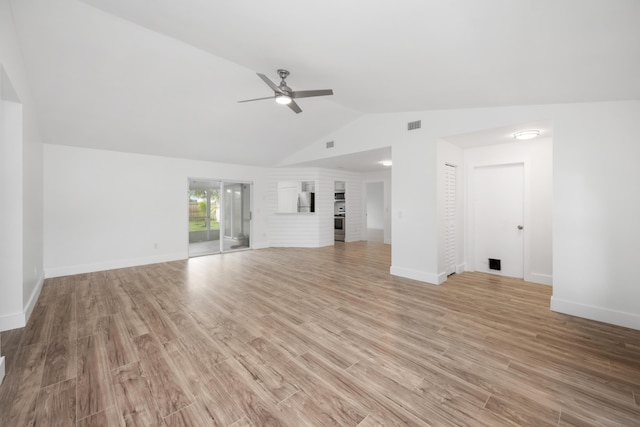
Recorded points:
(494, 264)
(330, 144)
(414, 125)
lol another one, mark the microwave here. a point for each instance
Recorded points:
(339, 196)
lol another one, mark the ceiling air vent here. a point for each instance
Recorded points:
(414, 125)
(330, 144)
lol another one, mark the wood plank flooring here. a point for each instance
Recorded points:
(313, 337)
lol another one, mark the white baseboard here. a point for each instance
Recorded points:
(260, 245)
(1, 369)
(543, 279)
(33, 299)
(12, 321)
(461, 268)
(423, 276)
(110, 265)
(19, 320)
(614, 317)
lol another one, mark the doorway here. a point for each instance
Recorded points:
(498, 219)
(236, 219)
(375, 211)
(219, 216)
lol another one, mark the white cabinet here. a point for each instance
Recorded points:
(288, 196)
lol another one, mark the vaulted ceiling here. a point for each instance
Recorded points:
(164, 76)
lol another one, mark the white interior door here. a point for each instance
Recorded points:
(498, 202)
(450, 219)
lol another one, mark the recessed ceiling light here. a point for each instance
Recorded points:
(386, 163)
(526, 134)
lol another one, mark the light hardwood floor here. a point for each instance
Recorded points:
(311, 337)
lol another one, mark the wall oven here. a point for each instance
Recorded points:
(339, 227)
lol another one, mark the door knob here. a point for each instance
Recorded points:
(520, 227)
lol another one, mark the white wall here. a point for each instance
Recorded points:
(105, 209)
(317, 229)
(375, 205)
(297, 229)
(596, 206)
(11, 215)
(595, 203)
(536, 156)
(21, 183)
(385, 178)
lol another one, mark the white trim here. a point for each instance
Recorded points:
(1, 369)
(33, 299)
(543, 279)
(430, 278)
(614, 317)
(12, 321)
(260, 244)
(110, 265)
(19, 320)
(461, 268)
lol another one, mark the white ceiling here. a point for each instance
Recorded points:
(163, 77)
(364, 161)
(502, 135)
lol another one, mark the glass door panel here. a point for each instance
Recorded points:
(204, 217)
(237, 216)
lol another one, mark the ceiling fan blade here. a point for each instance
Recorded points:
(308, 93)
(295, 107)
(256, 99)
(271, 84)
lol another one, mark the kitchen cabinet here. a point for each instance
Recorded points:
(296, 196)
(288, 196)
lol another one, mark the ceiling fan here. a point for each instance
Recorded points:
(284, 95)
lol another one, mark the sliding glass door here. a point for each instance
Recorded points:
(237, 215)
(219, 216)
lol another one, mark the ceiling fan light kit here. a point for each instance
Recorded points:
(283, 93)
(283, 99)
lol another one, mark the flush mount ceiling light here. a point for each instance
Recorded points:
(283, 99)
(526, 134)
(386, 163)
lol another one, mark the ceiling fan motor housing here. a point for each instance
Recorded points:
(283, 74)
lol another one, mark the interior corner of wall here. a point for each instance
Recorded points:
(2, 369)
(543, 279)
(599, 314)
(33, 298)
(421, 276)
